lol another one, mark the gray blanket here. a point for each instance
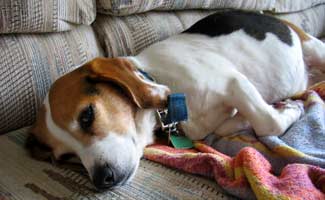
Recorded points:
(303, 142)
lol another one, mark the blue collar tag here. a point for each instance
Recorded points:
(176, 109)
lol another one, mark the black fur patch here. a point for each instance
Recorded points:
(91, 90)
(90, 87)
(38, 150)
(254, 24)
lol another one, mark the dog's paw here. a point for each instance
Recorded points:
(282, 117)
(284, 106)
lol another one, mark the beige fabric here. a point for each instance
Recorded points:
(316, 75)
(126, 7)
(128, 35)
(45, 15)
(311, 20)
(28, 65)
(22, 178)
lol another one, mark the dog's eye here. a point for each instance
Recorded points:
(86, 117)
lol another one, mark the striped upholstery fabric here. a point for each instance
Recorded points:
(311, 20)
(23, 178)
(130, 34)
(17, 16)
(28, 65)
(127, 7)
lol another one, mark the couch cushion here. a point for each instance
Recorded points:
(126, 7)
(30, 63)
(121, 36)
(22, 177)
(128, 35)
(310, 20)
(45, 15)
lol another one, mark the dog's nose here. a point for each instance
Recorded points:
(104, 177)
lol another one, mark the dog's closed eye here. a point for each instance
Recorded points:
(86, 117)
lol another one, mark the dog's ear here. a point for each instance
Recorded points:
(144, 93)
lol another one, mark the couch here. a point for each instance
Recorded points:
(41, 40)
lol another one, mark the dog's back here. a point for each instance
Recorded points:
(260, 47)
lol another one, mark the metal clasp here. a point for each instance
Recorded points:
(167, 128)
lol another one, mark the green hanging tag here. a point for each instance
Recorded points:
(181, 142)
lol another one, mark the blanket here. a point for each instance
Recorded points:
(290, 166)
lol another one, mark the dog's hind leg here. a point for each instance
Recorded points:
(264, 118)
(232, 125)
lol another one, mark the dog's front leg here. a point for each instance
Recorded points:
(264, 118)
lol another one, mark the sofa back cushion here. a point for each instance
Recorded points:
(129, 35)
(17, 16)
(121, 36)
(29, 63)
(127, 7)
(310, 20)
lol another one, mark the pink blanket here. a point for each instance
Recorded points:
(246, 175)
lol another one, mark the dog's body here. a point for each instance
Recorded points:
(230, 69)
(215, 72)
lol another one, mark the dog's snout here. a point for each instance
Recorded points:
(104, 177)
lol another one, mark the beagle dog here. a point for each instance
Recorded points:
(231, 65)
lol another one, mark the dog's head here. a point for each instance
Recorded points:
(100, 113)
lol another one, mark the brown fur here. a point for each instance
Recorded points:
(67, 99)
(302, 34)
(123, 73)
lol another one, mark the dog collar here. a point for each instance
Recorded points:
(176, 110)
(169, 118)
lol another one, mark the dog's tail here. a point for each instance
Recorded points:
(313, 49)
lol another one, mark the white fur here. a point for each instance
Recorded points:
(115, 150)
(145, 121)
(219, 74)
